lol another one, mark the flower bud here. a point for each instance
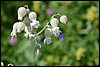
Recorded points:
(35, 24)
(37, 48)
(48, 32)
(47, 40)
(56, 32)
(32, 16)
(21, 13)
(54, 22)
(63, 19)
(2, 64)
(61, 37)
(13, 40)
(50, 12)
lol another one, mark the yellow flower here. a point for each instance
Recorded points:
(91, 13)
(50, 58)
(96, 61)
(36, 6)
(80, 53)
(68, 3)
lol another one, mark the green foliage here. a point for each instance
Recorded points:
(80, 46)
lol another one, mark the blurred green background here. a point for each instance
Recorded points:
(80, 46)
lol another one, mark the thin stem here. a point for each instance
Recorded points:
(35, 40)
(47, 24)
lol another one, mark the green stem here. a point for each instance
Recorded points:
(35, 40)
(47, 24)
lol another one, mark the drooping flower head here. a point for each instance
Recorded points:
(54, 22)
(56, 32)
(48, 32)
(64, 19)
(47, 40)
(32, 16)
(21, 13)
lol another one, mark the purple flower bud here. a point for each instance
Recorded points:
(13, 40)
(61, 37)
(50, 12)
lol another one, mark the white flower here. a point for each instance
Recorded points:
(48, 32)
(10, 64)
(21, 13)
(56, 31)
(20, 27)
(47, 40)
(35, 24)
(17, 27)
(54, 22)
(32, 16)
(2, 64)
(64, 19)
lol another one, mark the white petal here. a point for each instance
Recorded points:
(63, 19)
(56, 31)
(20, 27)
(32, 16)
(35, 24)
(47, 40)
(48, 32)
(54, 22)
(21, 13)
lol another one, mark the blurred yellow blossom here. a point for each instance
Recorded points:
(50, 58)
(36, 6)
(91, 13)
(80, 53)
(68, 3)
(96, 61)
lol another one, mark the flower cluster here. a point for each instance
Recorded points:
(29, 23)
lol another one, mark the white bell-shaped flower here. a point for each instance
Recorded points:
(20, 27)
(2, 64)
(64, 19)
(14, 31)
(17, 27)
(47, 40)
(35, 24)
(21, 13)
(32, 16)
(54, 22)
(56, 32)
(48, 32)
